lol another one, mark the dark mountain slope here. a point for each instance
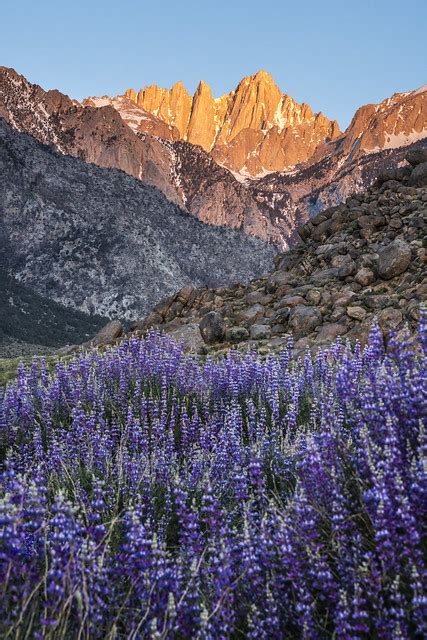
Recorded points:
(29, 318)
(103, 242)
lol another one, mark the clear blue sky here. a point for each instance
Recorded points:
(335, 55)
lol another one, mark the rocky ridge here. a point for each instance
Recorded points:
(363, 259)
(253, 129)
(377, 138)
(117, 134)
(147, 144)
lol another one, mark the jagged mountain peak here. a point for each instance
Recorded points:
(255, 129)
(260, 77)
(204, 152)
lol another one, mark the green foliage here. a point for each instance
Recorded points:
(8, 368)
(31, 318)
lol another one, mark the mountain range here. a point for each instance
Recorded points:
(254, 160)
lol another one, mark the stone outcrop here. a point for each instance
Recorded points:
(363, 260)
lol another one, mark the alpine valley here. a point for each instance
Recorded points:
(254, 162)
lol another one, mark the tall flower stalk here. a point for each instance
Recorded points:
(145, 493)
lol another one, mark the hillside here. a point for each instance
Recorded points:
(31, 323)
(102, 242)
(361, 260)
(116, 134)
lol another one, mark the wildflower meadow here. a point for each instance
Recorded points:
(146, 493)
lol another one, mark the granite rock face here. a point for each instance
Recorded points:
(253, 129)
(310, 164)
(116, 133)
(256, 129)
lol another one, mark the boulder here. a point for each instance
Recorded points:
(260, 331)
(287, 261)
(316, 220)
(313, 296)
(109, 333)
(251, 314)
(360, 331)
(364, 277)
(418, 177)
(387, 174)
(342, 298)
(402, 173)
(236, 334)
(389, 319)
(174, 310)
(189, 336)
(325, 275)
(305, 231)
(184, 294)
(162, 307)
(153, 319)
(291, 301)
(278, 329)
(322, 230)
(257, 297)
(348, 269)
(277, 279)
(416, 156)
(391, 185)
(395, 222)
(303, 320)
(282, 314)
(357, 313)
(212, 327)
(328, 332)
(340, 260)
(393, 259)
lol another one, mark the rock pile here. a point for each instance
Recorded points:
(365, 258)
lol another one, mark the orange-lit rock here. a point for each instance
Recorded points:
(255, 129)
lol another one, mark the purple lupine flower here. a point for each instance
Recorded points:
(147, 493)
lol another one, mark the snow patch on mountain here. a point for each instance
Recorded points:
(420, 90)
(395, 141)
